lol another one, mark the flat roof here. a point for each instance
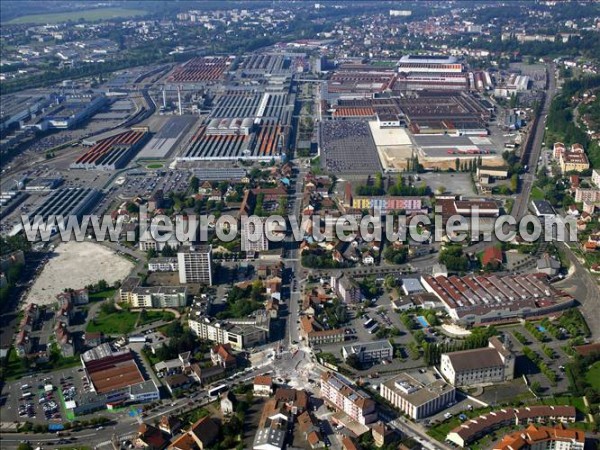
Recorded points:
(417, 392)
(386, 136)
(359, 347)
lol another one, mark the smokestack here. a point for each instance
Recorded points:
(164, 99)
(179, 99)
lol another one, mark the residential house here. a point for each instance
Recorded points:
(263, 386)
(202, 434)
(208, 374)
(221, 355)
(150, 438)
(169, 424)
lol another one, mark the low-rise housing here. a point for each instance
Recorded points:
(263, 386)
(315, 334)
(475, 428)
(537, 437)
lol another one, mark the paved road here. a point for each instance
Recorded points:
(294, 265)
(584, 288)
(522, 201)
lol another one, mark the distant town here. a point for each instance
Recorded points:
(300, 337)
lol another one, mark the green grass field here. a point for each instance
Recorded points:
(153, 316)
(593, 376)
(537, 194)
(120, 322)
(154, 166)
(109, 293)
(89, 15)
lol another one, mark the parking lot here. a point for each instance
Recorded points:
(40, 398)
(146, 183)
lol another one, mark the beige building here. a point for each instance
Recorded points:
(491, 364)
(573, 161)
(415, 398)
(591, 195)
(345, 397)
(240, 333)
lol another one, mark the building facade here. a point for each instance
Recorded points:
(416, 398)
(195, 264)
(341, 394)
(369, 352)
(493, 364)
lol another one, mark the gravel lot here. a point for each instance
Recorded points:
(76, 265)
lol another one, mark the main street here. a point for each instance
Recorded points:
(522, 201)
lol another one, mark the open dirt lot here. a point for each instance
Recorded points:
(76, 265)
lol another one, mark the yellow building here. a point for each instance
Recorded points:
(573, 162)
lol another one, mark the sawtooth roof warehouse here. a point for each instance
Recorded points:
(486, 299)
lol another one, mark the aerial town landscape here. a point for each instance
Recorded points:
(181, 189)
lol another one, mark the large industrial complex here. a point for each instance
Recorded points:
(300, 225)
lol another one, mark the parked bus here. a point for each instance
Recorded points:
(374, 329)
(26, 395)
(214, 392)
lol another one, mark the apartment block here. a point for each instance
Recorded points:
(195, 264)
(591, 195)
(240, 333)
(345, 397)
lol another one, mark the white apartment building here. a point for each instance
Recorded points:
(346, 397)
(158, 297)
(369, 352)
(240, 333)
(195, 264)
(252, 240)
(416, 398)
(162, 264)
(491, 364)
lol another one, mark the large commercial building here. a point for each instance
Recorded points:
(369, 352)
(416, 398)
(493, 364)
(240, 333)
(114, 152)
(344, 396)
(115, 379)
(482, 299)
(73, 110)
(195, 264)
(429, 64)
(67, 202)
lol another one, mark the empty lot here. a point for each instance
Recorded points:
(75, 265)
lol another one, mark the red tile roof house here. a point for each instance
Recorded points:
(492, 256)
